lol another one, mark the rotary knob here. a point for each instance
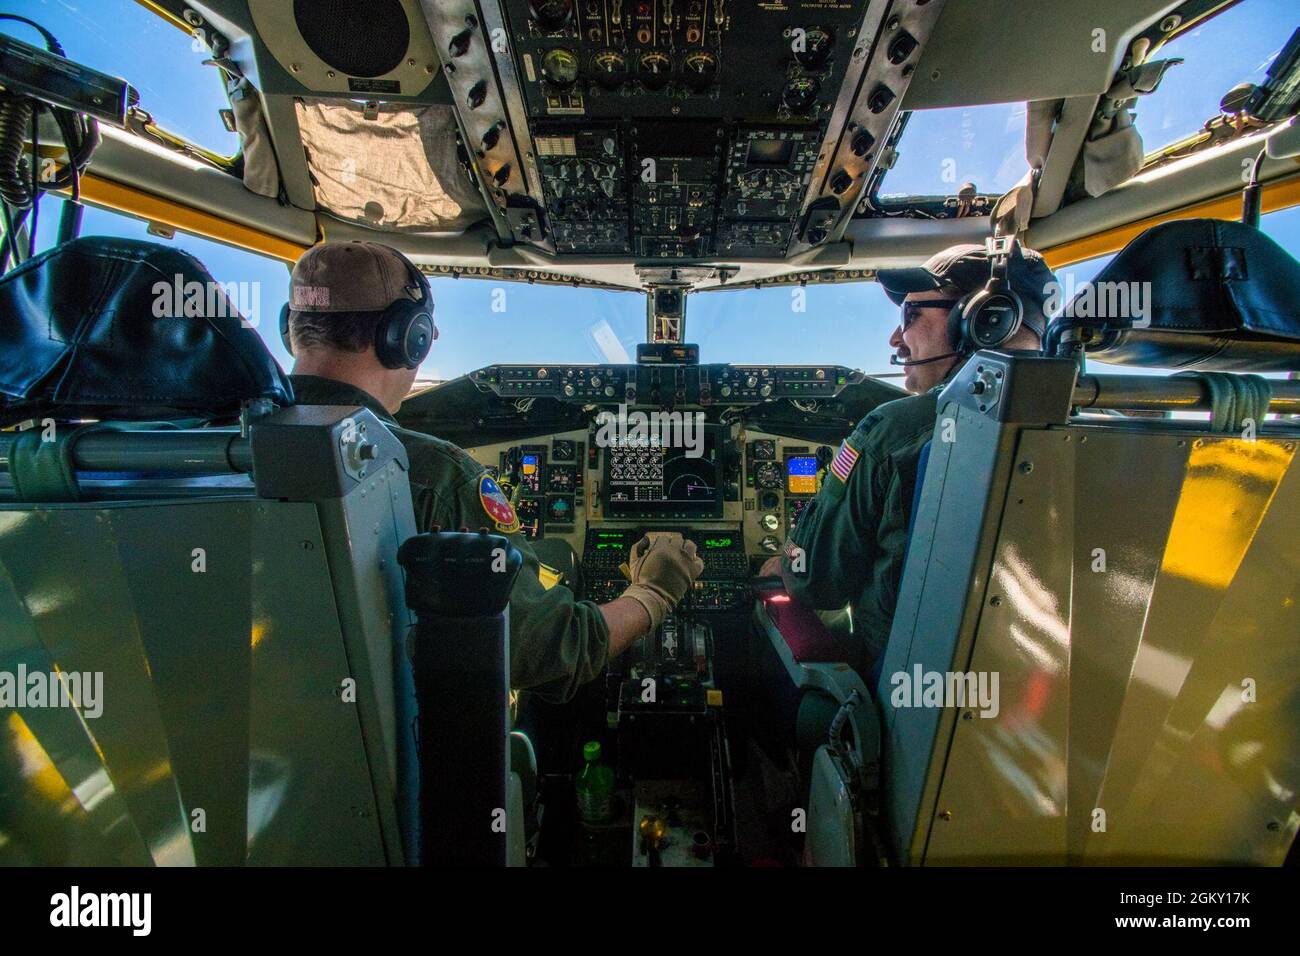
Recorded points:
(771, 522)
(766, 390)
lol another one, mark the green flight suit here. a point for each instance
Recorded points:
(556, 642)
(853, 536)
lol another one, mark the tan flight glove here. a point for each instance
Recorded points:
(661, 566)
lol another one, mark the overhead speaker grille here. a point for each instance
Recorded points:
(365, 38)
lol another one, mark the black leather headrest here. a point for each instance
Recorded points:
(93, 328)
(1195, 293)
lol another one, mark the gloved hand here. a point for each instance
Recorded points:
(661, 567)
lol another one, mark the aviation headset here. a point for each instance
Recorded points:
(990, 317)
(404, 333)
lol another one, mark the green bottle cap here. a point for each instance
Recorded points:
(591, 751)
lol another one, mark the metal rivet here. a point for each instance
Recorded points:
(945, 815)
(1026, 467)
(995, 601)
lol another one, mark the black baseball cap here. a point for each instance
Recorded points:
(966, 267)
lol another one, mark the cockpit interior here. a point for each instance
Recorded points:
(261, 657)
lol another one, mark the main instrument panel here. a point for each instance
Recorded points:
(597, 455)
(738, 499)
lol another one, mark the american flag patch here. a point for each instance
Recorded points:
(845, 459)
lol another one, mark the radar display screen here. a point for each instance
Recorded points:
(645, 479)
(801, 475)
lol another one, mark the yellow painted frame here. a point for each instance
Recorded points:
(168, 212)
(1280, 194)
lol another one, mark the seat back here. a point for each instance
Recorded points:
(196, 667)
(234, 660)
(1129, 585)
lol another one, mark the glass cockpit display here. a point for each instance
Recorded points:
(801, 475)
(645, 478)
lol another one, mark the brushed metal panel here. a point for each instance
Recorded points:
(1148, 706)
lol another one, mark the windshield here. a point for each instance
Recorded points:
(846, 323)
(941, 149)
(1236, 46)
(484, 323)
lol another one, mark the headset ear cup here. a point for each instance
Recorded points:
(979, 328)
(284, 329)
(419, 338)
(388, 336)
(404, 335)
(956, 327)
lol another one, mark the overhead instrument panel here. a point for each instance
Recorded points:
(681, 129)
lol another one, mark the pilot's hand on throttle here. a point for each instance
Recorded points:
(661, 568)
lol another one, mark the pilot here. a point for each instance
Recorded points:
(341, 296)
(849, 544)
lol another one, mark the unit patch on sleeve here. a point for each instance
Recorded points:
(497, 505)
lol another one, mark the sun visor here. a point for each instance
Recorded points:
(389, 167)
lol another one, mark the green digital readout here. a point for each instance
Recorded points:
(711, 543)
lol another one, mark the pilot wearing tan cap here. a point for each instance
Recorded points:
(358, 323)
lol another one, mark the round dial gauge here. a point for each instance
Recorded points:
(610, 68)
(800, 94)
(560, 67)
(654, 69)
(767, 474)
(815, 48)
(701, 68)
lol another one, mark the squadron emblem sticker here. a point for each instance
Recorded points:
(497, 505)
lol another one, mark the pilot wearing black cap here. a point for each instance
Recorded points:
(849, 544)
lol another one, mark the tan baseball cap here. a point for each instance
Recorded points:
(352, 276)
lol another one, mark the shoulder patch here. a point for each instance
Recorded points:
(844, 460)
(497, 505)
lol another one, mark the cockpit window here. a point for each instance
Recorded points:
(164, 64)
(1235, 46)
(481, 322)
(941, 149)
(846, 323)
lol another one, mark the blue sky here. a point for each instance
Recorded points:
(846, 324)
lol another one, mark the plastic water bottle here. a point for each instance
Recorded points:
(595, 786)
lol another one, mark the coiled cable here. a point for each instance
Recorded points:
(21, 180)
